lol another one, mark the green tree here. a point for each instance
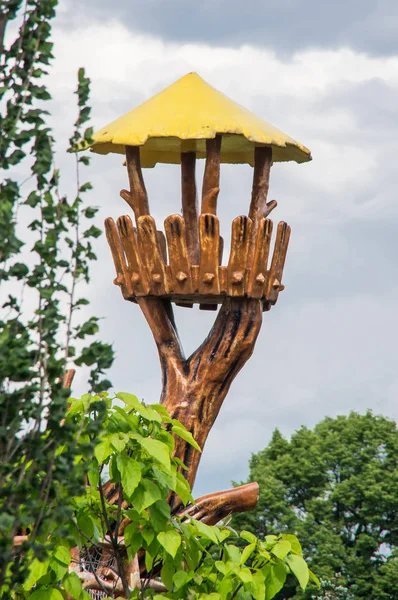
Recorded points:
(336, 488)
(41, 267)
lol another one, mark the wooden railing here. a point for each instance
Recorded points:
(148, 265)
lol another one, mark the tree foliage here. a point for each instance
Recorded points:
(336, 488)
(183, 558)
(45, 253)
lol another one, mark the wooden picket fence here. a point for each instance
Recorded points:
(148, 263)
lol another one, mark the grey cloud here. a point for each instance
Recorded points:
(285, 26)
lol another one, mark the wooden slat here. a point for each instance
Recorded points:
(138, 193)
(178, 255)
(150, 254)
(274, 284)
(190, 204)
(258, 270)
(211, 177)
(119, 259)
(209, 237)
(137, 273)
(162, 245)
(240, 240)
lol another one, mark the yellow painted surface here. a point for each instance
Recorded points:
(182, 116)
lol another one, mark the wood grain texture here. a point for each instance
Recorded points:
(194, 389)
(180, 267)
(209, 237)
(240, 240)
(258, 274)
(122, 275)
(138, 193)
(274, 284)
(137, 272)
(190, 204)
(212, 508)
(151, 255)
(211, 177)
(258, 205)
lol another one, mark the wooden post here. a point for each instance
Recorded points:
(211, 177)
(259, 209)
(194, 388)
(190, 204)
(138, 195)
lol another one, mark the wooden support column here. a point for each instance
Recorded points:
(194, 388)
(190, 204)
(137, 198)
(211, 177)
(259, 208)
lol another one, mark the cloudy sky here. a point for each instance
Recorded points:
(327, 74)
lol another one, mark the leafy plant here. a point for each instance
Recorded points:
(179, 558)
(41, 267)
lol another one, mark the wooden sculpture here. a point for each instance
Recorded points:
(184, 265)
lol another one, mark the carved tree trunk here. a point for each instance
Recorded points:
(194, 388)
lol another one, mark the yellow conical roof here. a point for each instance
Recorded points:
(182, 116)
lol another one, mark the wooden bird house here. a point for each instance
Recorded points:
(184, 264)
(187, 121)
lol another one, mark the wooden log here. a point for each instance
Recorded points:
(209, 237)
(258, 273)
(68, 379)
(212, 508)
(190, 204)
(180, 267)
(137, 273)
(211, 177)
(138, 193)
(151, 255)
(274, 284)
(240, 240)
(122, 275)
(258, 205)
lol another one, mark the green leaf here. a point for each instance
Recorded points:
(130, 472)
(118, 441)
(299, 568)
(167, 573)
(133, 539)
(62, 555)
(275, 577)
(281, 549)
(207, 531)
(170, 540)
(103, 450)
(183, 490)
(158, 450)
(36, 572)
(314, 578)
(146, 412)
(46, 594)
(249, 537)
(186, 435)
(159, 514)
(247, 551)
(72, 585)
(296, 546)
(151, 493)
(180, 578)
(245, 575)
